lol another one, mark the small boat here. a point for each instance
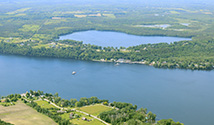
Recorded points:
(73, 73)
(117, 64)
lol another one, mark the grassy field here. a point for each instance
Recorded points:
(79, 121)
(95, 109)
(21, 114)
(44, 104)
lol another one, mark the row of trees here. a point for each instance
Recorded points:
(64, 102)
(74, 103)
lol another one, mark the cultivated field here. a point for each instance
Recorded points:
(95, 109)
(21, 114)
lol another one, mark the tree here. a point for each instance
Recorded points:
(73, 101)
(78, 104)
(56, 94)
(31, 92)
(168, 122)
(105, 103)
(134, 122)
(40, 92)
(14, 99)
(7, 100)
(27, 95)
(151, 117)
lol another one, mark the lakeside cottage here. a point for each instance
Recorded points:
(24, 94)
(120, 60)
(151, 64)
(85, 119)
(102, 60)
(128, 61)
(71, 115)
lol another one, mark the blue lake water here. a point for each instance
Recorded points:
(117, 39)
(184, 95)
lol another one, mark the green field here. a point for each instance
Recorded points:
(95, 109)
(21, 114)
(81, 122)
(44, 104)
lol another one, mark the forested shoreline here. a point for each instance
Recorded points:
(194, 55)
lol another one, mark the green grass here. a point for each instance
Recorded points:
(21, 114)
(41, 37)
(50, 22)
(174, 12)
(81, 122)
(44, 104)
(109, 15)
(27, 28)
(95, 109)
(18, 11)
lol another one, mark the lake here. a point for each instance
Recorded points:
(117, 39)
(184, 95)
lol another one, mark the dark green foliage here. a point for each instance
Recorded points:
(10, 99)
(122, 105)
(13, 97)
(127, 114)
(168, 122)
(4, 123)
(36, 93)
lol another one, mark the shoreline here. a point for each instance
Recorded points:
(118, 31)
(116, 61)
(125, 62)
(152, 64)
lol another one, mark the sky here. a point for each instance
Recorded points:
(162, 3)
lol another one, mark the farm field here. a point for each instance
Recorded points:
(21, 114)
(95, 109)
